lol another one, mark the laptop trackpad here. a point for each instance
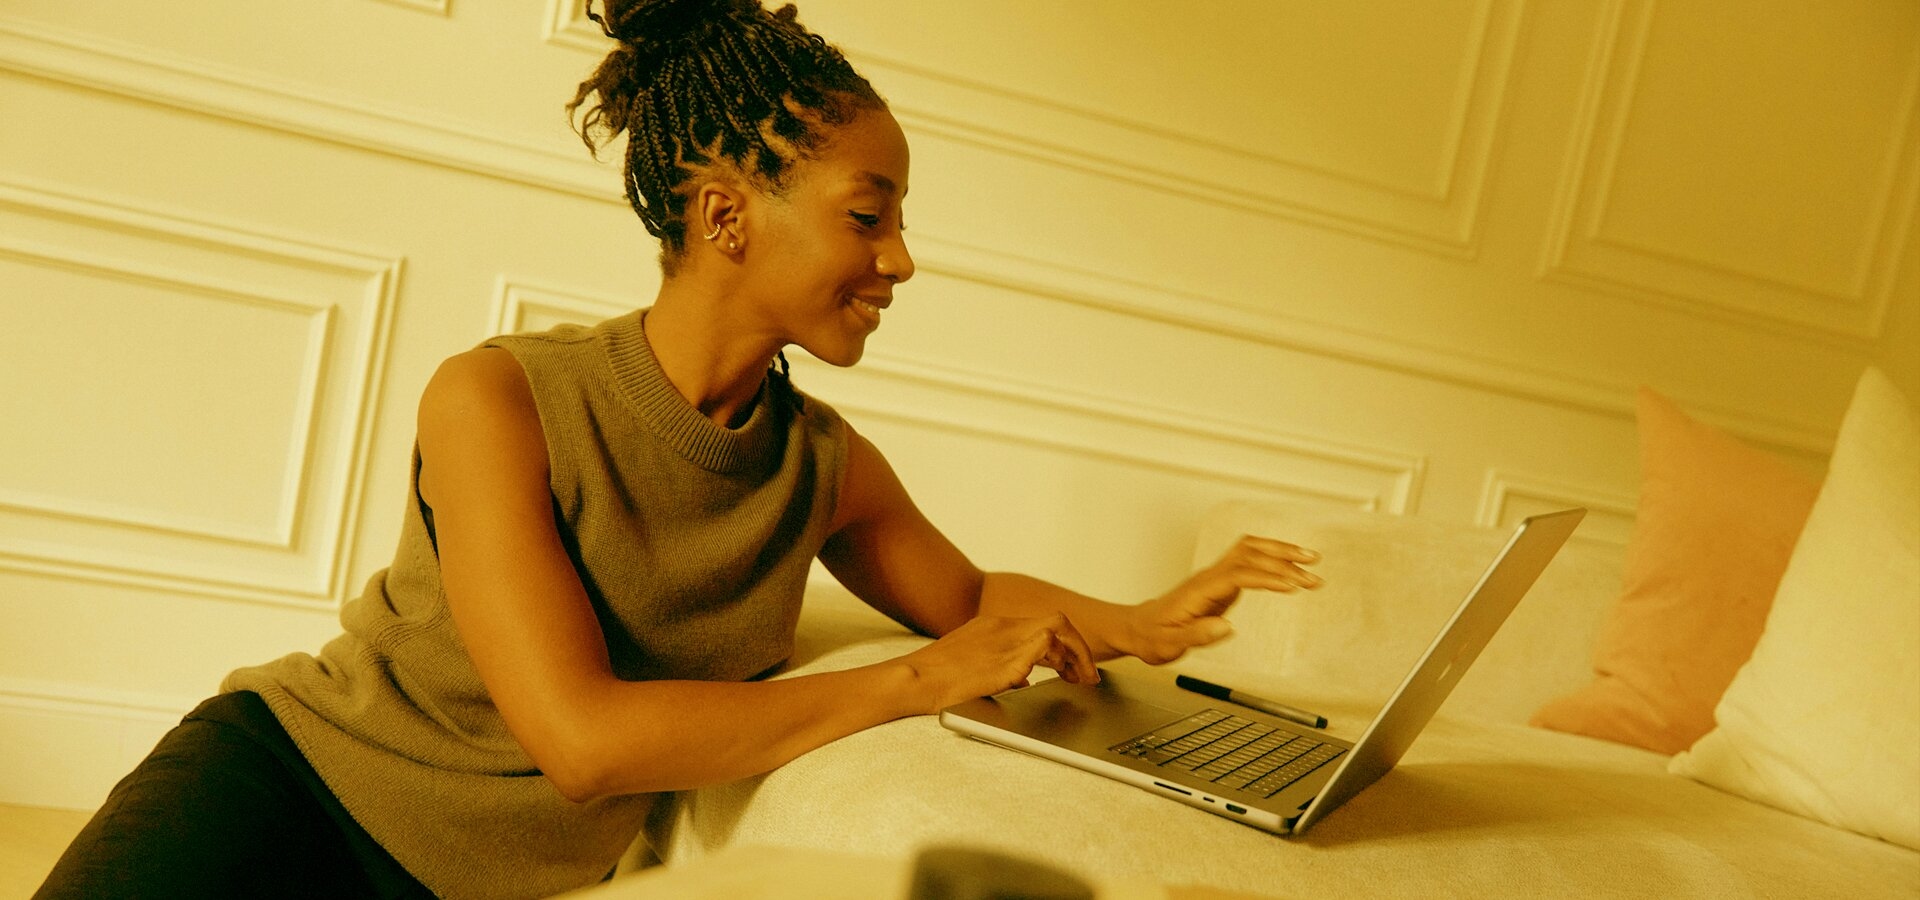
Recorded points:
(1085, 716)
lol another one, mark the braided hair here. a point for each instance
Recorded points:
(692, 80)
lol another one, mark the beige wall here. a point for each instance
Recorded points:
(1407, 256)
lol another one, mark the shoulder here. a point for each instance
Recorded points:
(477, 417)
(561, 334)
(869, 488)
(485, 380)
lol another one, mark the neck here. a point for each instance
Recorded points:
(713, 359)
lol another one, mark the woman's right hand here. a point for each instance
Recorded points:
(990, 654)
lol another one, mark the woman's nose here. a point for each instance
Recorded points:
(893, 262)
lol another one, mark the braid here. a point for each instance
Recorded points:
(691, 80)
(780, 376)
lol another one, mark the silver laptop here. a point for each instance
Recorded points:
(1238, 762)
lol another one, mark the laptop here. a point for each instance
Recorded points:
(1241, 763)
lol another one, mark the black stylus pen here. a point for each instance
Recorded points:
(1221, 692)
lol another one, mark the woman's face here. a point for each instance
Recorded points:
(829, 249)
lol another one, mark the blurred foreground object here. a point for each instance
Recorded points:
(787, 873)
(960, 873)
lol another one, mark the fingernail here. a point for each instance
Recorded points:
(1218, 629)
(1308, 555)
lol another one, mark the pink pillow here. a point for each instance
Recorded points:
(1716, 525)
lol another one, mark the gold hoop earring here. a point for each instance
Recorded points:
(714, 233)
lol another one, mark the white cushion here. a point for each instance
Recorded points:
(1824, 719)
(1391, 582)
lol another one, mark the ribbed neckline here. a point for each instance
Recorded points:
(698, 438)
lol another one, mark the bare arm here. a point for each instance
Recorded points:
(886, 552)
(531, 632)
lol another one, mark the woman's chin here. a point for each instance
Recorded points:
(842, 354)
(848, 356)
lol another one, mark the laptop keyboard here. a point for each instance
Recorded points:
(1232, 752)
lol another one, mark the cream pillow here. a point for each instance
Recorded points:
(1824, 719)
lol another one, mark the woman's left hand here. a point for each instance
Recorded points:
(1161, 630)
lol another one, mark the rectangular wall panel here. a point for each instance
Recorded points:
(1772, 179)
(148, 359)
(186, 401)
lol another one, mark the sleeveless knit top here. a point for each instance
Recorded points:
(693, 542)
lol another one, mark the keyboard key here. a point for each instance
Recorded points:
(1270, 742)
(1232, 742)
(1237, 780)
(1236, 760)
(1204, 755)
(1214, 770)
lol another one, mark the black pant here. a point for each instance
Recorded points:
(226, 806)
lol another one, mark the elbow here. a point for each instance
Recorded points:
(573, 777)
(576, 789)
(570, 761)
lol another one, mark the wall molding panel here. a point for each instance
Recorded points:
(134, 72)
(1097, 290)
(521, 306)
(1509, 497)
(1849, 308)
(928, 395)
(436, 7)
(339, 304)
(566, 25)
(277, 535)
(141, 73)
(1087, 426)
(67, 744)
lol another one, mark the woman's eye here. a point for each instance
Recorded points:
(866, 220)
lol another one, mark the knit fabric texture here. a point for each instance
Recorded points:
(693, 542)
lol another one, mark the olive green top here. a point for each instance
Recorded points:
(693, 542)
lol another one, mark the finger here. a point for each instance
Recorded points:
(1037, 649)
(1278, 571)
(1062, 649)
(1218, 593)
(1201, 632)
(1207, 593)
(1281, 549)
(1078, 656)
(1276, 556)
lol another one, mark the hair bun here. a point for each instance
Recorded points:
(649, 26)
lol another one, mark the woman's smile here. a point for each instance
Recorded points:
(869, 308)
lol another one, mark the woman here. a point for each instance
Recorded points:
(609, 532)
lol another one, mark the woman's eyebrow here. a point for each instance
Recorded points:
(882, 182)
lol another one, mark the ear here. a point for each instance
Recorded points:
(717, 210)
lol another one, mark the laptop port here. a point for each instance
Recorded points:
(1236, 808)
(1172, 788)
